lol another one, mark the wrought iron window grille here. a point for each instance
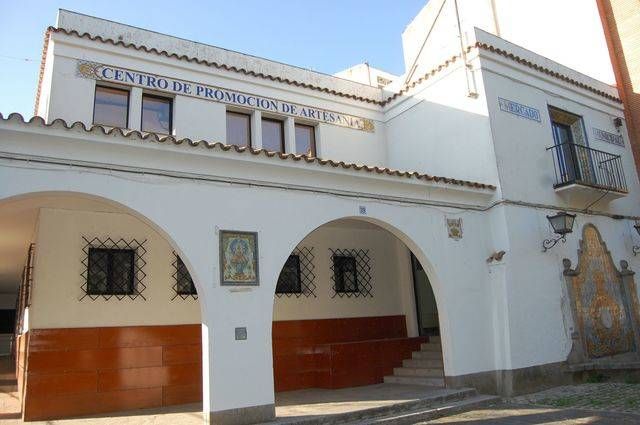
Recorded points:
(351, 273)
(183, 286)
(113, 268)
(297, 278)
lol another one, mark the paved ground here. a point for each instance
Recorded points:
(616, 397)
(527, 415)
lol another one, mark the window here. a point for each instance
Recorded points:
(184, 283)
(305, 140)
(238, 129)
(569, 138)
(110, 271)
(344, 269)
(157, 114)
(272, 135)
(289, 281)
(111, 107)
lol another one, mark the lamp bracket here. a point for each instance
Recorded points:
(547, 244)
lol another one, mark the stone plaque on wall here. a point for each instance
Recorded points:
(604, 300)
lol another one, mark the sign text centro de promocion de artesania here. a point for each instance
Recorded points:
(119, 75)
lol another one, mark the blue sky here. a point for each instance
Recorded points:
(326, 36)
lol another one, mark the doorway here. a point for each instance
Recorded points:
(426, 308)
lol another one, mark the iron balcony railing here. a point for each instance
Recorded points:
(578, 164)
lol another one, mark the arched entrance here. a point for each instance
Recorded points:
(346, 313)
(108, 315)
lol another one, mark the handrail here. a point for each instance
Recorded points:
(579, 164)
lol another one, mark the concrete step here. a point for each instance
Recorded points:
(414, 380)
(433, 412)
(426, 363)
(432, 398)
(431, 346)
(418, 371)
(423, 355)
(435, 339)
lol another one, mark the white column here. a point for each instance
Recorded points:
(256, 130)
(289, 135)
(135, 108)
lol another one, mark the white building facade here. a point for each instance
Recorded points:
(378, 216)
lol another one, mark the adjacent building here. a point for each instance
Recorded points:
(184, 223)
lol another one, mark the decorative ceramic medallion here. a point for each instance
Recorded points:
(454, 228)
(602, 304)
(238, 258)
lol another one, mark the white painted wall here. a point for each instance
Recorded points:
(569, 32)
(58, 267)
(520, 144)
(386, 279)
(199, 119)
(196, 211)
(438, 128)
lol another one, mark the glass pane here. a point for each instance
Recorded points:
(184, 281)
(345, 274)
(111, 107)
(156, 114)
(98, 272)
(305, 140)
(272, 135)
(238, 129)
(122, 272)
(289, 279)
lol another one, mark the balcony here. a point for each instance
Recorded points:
(582, 170)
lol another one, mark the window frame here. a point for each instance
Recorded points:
(338, 272)
(156, 96)
(249, 115)
(313, 141)
(110, 287)
(95, 93)
(282, 138)
(298, 275)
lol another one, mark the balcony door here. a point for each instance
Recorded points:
(567, 156)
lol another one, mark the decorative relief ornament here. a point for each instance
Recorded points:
(87, 70)
(454, 228)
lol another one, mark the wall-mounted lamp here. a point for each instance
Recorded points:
(636, 248)
(617, 122)
(562, 223)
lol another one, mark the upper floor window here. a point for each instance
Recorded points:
(569, 136)
(272, 135)
(111, 107)
(305, 140)
(157, 114)
(238, 129)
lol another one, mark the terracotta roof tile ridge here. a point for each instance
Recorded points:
(540, 68)
(193, 59)
(153, 137)
(508, 55)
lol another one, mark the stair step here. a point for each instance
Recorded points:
(425, 363)
(418, 371)
(414, 380)
(430, 346)
(434, 412)
(426, 355)
(435, 338)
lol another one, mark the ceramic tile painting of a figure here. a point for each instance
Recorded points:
(238, 258)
